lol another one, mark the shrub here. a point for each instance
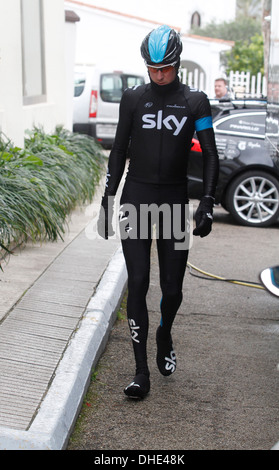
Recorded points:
(42, 183)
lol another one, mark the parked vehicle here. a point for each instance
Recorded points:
(97, 94)
(248, 186)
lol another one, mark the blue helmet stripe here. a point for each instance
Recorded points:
(203, 123)
(158, 43)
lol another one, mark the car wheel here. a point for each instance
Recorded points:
(253, 199)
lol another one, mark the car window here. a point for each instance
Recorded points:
(242, 124)
(113, 85)
(79, 84)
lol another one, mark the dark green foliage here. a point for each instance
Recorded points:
(42, 183)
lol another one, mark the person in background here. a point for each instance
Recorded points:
(221, 90)
(157, 121)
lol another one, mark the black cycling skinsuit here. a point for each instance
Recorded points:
(161, 120)
(158, 123)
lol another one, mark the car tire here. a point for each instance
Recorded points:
(253, 199)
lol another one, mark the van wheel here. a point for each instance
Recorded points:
(253, 199)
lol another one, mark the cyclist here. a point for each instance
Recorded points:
(157, 121)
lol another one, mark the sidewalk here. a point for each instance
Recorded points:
(58, 302)
(224, 393)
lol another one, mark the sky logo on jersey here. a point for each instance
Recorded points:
(152, 121)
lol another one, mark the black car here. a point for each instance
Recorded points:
(248, 186)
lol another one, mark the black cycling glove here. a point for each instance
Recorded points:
(204, 217)
(104, 224)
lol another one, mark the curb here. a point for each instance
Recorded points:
(56, 416)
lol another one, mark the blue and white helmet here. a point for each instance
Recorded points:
(161, 46)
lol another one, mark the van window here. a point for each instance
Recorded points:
(111, 88)
(133, 81)
(113, 85)
(79, 83)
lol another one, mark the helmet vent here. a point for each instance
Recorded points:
(158, 43)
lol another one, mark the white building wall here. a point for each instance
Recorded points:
(206, 53)
(101, 38)
(70, 42)
(11, 114)
(214, 10)
(274, 53)
(106, 39)
(15, 118)
(53, 112)
(175, 12)
(111, 39)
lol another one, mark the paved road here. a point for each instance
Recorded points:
(225, 392)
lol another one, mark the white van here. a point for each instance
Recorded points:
(97, 94)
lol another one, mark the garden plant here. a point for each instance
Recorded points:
(43, 182)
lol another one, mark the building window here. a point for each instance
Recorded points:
(196, 20)
(33, 63)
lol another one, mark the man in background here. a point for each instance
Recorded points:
(221, 90)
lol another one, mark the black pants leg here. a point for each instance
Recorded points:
(172, 270)
(172, 264)
(137, 257)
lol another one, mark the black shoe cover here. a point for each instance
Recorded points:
(139, 388)
(166, 359)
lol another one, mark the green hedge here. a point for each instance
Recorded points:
(41, 184)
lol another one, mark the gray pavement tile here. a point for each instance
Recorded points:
(41, 307)
(28, 355)
(51, 307)
(18, 385)
(39, 330)
(19, 391)
(13, 421)
(60, 297)
(47, 344)
(23, 406)
(42, 318)
(31, 373)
